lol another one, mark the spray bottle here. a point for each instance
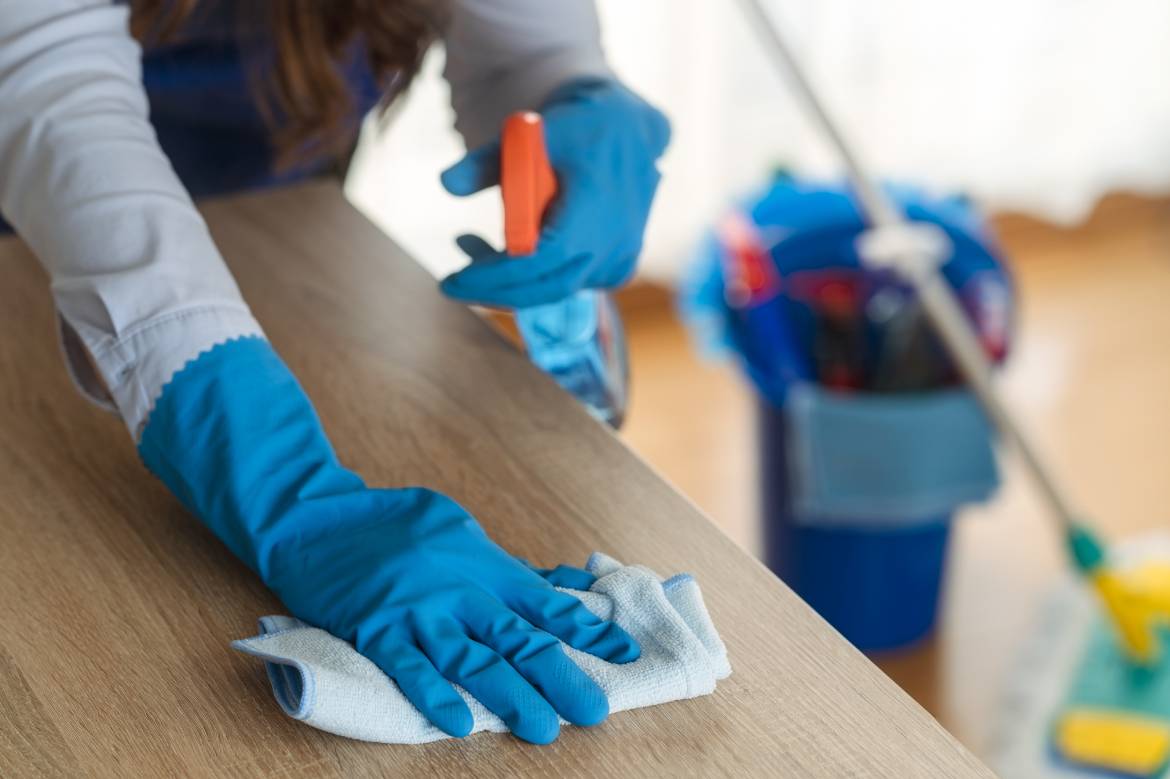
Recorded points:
(579, 341)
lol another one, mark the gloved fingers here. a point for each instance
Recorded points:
(553, 287)
(423, 686)
(476, 248)
(487, 273)
(498, 270)
(565, 617)
(491, 680)
(539, 659)
(582, 211)
(562, 264)
(568, 577)
(657, 132)
(496, 283)
(477, 171)
(618, 273)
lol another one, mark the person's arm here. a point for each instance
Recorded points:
(510, 55)
(405, 575)
(604, 143)
(139, 285)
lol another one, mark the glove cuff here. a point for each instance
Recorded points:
(236, 439)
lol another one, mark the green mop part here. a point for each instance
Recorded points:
(1077, 704)
(1116, 715)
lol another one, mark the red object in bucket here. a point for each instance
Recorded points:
(750, 277)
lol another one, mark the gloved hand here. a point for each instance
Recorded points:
(407, 576)
(603, 142)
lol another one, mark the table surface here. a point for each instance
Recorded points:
(116, 607)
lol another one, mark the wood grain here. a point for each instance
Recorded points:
(116, 607)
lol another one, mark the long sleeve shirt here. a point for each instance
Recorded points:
(139, 285)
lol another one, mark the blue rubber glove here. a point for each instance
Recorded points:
(604, 143)
(407, 576)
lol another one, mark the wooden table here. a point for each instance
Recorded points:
(116, 607)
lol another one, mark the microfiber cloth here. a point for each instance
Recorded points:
(324, 682)
(889, 460)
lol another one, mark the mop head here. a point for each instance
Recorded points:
(1077, 707)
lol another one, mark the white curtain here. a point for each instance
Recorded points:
(1033, 105)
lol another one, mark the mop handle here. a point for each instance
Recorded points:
(938, 299)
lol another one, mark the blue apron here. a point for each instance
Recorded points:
(203, 108)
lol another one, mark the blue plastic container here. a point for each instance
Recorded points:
(858, 522)
(878, 587)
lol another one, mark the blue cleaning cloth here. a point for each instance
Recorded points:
(885, 460)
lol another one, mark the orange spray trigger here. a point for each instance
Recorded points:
(527, 181)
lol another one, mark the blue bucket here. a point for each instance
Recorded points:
(860, 478)
(879, 586)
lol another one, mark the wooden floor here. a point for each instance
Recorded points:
(1090, 377)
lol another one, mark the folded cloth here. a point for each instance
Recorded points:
(886, 460)
(323, 681)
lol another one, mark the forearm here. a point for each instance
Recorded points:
(139, 285)
(508, 55)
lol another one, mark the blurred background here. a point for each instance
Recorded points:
(1052, 116)
(1038, 107)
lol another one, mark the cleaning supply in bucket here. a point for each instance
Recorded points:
(578, 341)
(324, 682)
(752, 288)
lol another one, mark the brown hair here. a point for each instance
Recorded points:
(302, 90)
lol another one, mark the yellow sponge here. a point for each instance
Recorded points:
(1113, 741)
(1151, 584)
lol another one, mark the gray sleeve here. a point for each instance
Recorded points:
(508, 55)
(139, 285)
